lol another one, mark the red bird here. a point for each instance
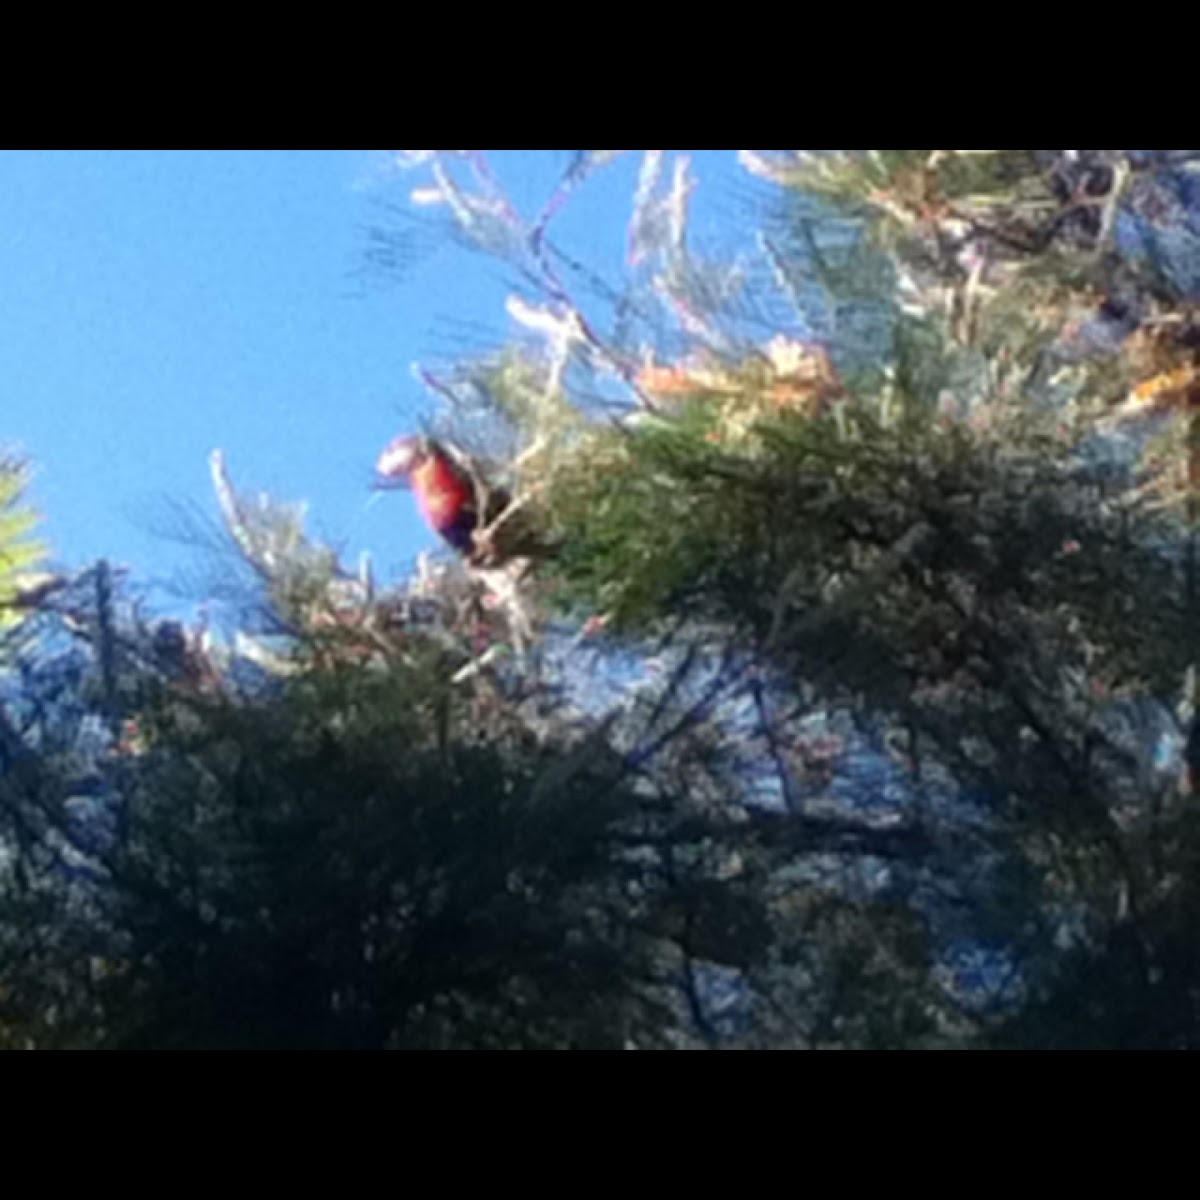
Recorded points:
(448, 493)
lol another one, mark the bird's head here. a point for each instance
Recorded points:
(398, 462)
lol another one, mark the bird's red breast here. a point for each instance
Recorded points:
(444, 492)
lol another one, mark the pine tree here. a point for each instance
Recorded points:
(954, 518)
(382, 839)
(853, 709)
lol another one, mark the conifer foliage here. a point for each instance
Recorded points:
(840, 689)
(19, 552)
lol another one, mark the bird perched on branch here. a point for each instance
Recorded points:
(498, 536)
(459, 502)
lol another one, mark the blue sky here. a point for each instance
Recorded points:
(158, 304)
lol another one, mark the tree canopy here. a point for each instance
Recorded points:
(846, 697)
